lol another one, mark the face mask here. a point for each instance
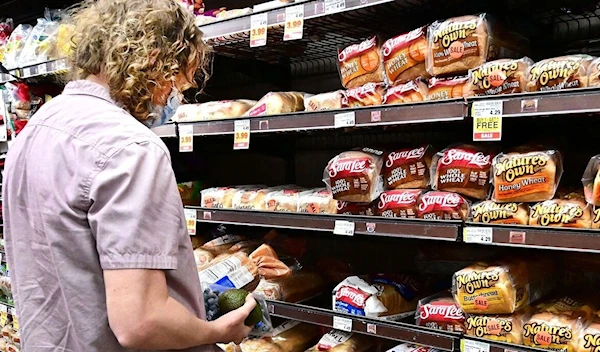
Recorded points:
(165, 113)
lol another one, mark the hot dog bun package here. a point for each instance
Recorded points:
(370, 94)
(526, 177)
(504, 76)
(591, 181)
(283, 200)
(404, 56)
(317, 201)
(502, 328)
(448, 88)
(408, 168)
(355, 176)
(277, 103)
(490, 212)
(325, 101)
(571, 211)
(564, 72)
(399, 203)
(410, 92)
(502, 287)
(214, 110)
(361, 63)
(462, 169)
(436, 205)
(217, 197)
(342, 341)
(298, 287)
(440, 312)
(558, 324)
(291, 336)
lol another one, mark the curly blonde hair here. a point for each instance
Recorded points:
(138, 46)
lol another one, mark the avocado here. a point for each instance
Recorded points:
(235, 298)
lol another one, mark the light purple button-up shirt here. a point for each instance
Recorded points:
(88, 188)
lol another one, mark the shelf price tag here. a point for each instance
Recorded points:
(484, 235)
(241, 134)
(258, 30)
(487, 120)
(343, 324)
(294, 23)
(346, 119)
(13, 312)
(332, 6)
(344, 228)
(186, 138)
(3, 315)
(190, 220)
(26, 72)
(474, 346)
(42, 69)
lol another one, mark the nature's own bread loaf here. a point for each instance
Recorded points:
(573, 212)
(526, 177)
(291, 336)
(504, 76)
(404, 56)
(361, 63)
(214, 110)
(317, 201)
(594, 73)
(408, 168)
(591, 181)
(341, 341)
(563, 72)
(490, 212)
(440, 312)
(399, 203)
(411, 92)
(503, 328)
(589, 340)
(448, 88)
(367, 95)
(325, 101)
(277, 103)
(436, 205)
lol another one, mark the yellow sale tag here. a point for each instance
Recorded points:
(487, 120)
(13, 312)
(186, 138)
(190, 220)
(3, 319)
(294, 23)
(241, 134)
(258, 30)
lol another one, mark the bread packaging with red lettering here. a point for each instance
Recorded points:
(502, 328)
(504, 76)
(448, 88)
(349, 208)
(361, 63)
(355, 176)
(490, 212)
(342, 341)
(399, 203)
(214, 110)
(217, 197)
(564, 72)
(570, 211)
(440, 312)
(369, 94)
(250, 199)
(410, 92)
(291, 336)
(408, 168)
(277, 103)
(404, 56)
(462, 169)
(591, 181)
(436, 205)
(594, 73)
(284, 200)
(317, 201)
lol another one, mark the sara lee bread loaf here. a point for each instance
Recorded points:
(490, 212)
(317, 201)
(462, 169)
(348, 208)
(563, 72)
(361, 63)
(594, 73)
(341, 341)
(448, 88)
(325, 101)
(589, 340)
(399, 203)
(408, 168)
(277, 103)
(504, 76)
(440, 312)
(573, 212)
(214, 110)
(369, 94)
(217, 197)
(591, 181)
(404, 56)
(291, 336)
(436, 205)
(500, 288)
(411, 92)
(503, 328)
(355, 176)
(526, 177)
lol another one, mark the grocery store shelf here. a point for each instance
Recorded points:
(167, 130)
(372, 226)
(470, 344)
(39, 69)
(374, 327)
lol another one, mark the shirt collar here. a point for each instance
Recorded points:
(85, 87)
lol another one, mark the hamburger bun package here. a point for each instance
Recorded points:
(591, 181)
(217, 197)
(399, 203)
(283, 199)
(408, 168)
(342, 341)
(291, 336)
(571, 212)
(317, 201)
(448, 88)
(369, 94)
(490, 212)
(526, 177)
(404, 56)
(502, 328)
(436, 205)
(440, 312)
(563, 72)
(325, 101)
(411, 92)
(274, 103)
(360, 64)
(504, 76)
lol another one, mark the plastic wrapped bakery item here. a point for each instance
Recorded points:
(436, 205)
(448, 88)
(277, 103)
(407, 347)
(594, 73)
(502, 328)
(283, 200)
(217, 197)
(563, 72)
(317, 201)
(573, 212)
(408, 168)
(348, 208)
(462, 169)
(342, 341)
(300, 286)
(526, 177)
(397, 292)
(410, 92)
(591, 181)
(502, 287)
(325, 101)
(361, 63)
(291, 336)
(596, 217)
(504, 76)
(190, 193)
(202, 257)
(399, 203)
(355, 176)
(589, 340)
(440, 312)
(214, 110)
(222, 244)
(490, 212)
(370, 94)
(404, 56)
(15, 44)
(250, 199)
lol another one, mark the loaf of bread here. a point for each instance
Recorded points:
(563, 72)
(355, 176)
(300, 286)
(490, 212)
(502, 328)
(526, 177)
(591, 181)
(408, 168)
(283, 200)
(250, 199)
(275, 103)
(349, 208)
(594, 73)
(217, 197)
(341, 341)
(370, 94)
(291, 336)
(404, 56)
(440, 312)
(504, 76)
(214, 110)
(317, 201)
(590, 338)
(411, 92)
(448, 88)
(462, 169)
(325, 101)
(436, 205)
(574, 213)
(399, 203)
(361, 63)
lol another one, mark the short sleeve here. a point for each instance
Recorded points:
(136, 214)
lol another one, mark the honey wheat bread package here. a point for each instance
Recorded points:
(411, 92)
(490, 212)
(361, 63)
(502, 328)
(404, 56)
(448, 88)
(504, 76)
(563, 72)
(408, 168)
(369, 94)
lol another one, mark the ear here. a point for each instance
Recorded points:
(153, 56)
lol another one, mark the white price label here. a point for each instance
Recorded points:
(294, 23)
(190, 220)
(332, 6)
(186, 138)
(474, 346)
(258, 30)
(13, 312)
(3, 308)
(347, 119)
(26, 72)
(487, 108)
(483, 235)
(61, 64)
(344, 228)
(241, 134)
(42, 69)
(343, 324)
